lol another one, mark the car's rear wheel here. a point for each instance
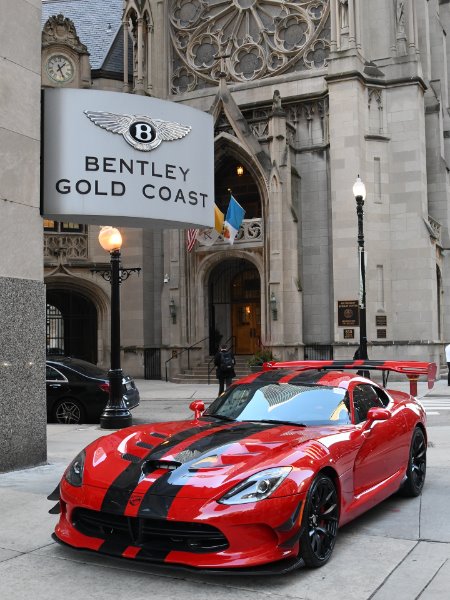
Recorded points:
(320, 522)
(68, 410)
(417, 465)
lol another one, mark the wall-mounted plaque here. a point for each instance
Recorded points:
(381, 320)
(349, 334)
(348, 313)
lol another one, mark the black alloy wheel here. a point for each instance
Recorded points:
(417, 465)
(68, 411)
(320, 522)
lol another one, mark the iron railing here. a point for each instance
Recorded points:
(152, 363)
(318, 352)
(182, 351)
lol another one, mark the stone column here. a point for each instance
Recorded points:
(347, 112)
(148, 61)
(22, 292)
(401, 7)
(126, 85)
(160, 58)
(282, 238)
(139, 86)
(351, 24)
(333, 15)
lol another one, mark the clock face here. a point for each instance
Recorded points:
(60, 68)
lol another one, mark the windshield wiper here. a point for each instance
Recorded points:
(278, 422)
(220, 417)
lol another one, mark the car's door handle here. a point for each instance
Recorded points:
(55, 385)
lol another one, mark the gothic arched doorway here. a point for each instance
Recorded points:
(71, 325)
(235, 306)
(242, 186)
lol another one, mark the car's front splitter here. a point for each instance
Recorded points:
(279, 567)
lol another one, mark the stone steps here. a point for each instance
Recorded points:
(199, 372)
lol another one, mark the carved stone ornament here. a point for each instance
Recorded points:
(61, 30)
(252, 39)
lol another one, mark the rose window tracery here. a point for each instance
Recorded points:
(246, 39)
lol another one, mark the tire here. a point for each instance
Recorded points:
(68, 411)
(417, 465)
(320, 522)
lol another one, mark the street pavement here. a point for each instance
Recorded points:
(399, 550)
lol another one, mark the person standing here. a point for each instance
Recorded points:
(447, 358)
(224, 362)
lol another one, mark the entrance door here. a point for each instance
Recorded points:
(246, 319)
(235, 306)
(71, 325)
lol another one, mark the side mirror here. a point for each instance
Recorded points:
(376, 414)
(198, 406)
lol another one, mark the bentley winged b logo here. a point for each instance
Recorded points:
(139, 131)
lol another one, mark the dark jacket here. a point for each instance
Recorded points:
(217, 361)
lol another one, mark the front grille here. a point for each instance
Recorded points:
(149, 534)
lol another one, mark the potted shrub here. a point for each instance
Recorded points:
(256, 361)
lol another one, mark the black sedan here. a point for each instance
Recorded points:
(77, 391)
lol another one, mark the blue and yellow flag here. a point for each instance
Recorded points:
(233, 220)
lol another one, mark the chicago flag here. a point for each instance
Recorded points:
(233, 220)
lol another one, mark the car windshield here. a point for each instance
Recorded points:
(285, 402)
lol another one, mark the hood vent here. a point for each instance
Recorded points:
(153, 465)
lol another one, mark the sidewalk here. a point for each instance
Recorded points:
(400, 549)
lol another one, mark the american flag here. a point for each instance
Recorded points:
(191, 238)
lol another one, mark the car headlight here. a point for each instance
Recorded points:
(257, 487)
(74, 472)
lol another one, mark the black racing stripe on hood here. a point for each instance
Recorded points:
(151, 504)
(119, 492)
(270, 376)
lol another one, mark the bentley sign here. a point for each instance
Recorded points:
(120, 159)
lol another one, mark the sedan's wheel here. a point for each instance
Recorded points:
(320, 522)
(68, 411)
(417, 465)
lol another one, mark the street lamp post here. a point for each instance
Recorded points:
(359, 191)
(116, 415)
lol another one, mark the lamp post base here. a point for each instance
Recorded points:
(115, 419)
(116, 415)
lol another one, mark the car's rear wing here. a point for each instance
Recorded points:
(411, 368)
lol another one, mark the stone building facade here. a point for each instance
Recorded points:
(305, 96)
(22, 293)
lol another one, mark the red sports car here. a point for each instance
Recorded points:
(260, 480)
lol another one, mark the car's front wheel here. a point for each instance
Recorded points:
(68, 410)
(417, 465)
(320, 522)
